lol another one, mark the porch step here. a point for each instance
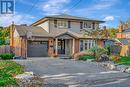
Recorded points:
(64, 57)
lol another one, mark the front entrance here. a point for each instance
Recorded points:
(61, 46)
(64, 45)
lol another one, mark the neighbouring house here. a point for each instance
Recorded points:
(123, 37)
(59, 35)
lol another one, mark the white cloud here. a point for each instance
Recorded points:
(6, 20)
(54, 6)
(98, 6)
(109, 18)
(104, 4)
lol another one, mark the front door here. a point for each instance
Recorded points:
(61, 46)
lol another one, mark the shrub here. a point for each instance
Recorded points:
(76, 56)
(108, 48)
(98, 51)
(115, 58)
(86, 57)
(7, 56)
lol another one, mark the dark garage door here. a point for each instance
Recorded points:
(37, 49)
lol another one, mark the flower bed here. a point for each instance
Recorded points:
(8, 69)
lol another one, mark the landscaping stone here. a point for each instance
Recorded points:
(128, 70)
(122, 68)
(112, 66)
(103, 58)
(29, 80)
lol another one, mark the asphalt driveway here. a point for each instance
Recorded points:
(70, 73)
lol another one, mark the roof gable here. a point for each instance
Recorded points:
(67, 34)
(66, 16)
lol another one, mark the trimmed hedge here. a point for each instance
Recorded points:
(84, 58)
(7, 56)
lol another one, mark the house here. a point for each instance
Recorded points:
(60, 35)
(123, 37)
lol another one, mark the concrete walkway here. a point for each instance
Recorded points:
(70, 73)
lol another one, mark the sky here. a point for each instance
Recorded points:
(29, 11)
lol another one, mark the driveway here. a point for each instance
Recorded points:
(70, 73)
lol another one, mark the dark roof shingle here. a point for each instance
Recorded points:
(125, 41)
(126, 30)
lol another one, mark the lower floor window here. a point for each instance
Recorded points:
(86, 44)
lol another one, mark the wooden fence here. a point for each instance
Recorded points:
(4, 49)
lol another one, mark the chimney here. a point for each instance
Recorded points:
(120, 28)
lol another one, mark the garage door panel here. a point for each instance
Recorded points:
(37, 50)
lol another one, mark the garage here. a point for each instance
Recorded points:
(37, 49)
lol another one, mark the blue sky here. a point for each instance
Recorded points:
(111, 11)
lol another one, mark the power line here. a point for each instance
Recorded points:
(76, 4)
(35, 3)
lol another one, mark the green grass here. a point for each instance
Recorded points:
(125, 60)
(8, 69)
(84, 58)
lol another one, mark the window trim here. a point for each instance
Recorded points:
(90, 43)
(64, 22)
(96, 26)
(87, 25)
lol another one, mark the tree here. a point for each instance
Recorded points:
(4, 35)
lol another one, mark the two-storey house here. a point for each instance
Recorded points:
(60, 35)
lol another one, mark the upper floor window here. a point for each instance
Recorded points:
(87, 25)
(62, 24)
(96, 26)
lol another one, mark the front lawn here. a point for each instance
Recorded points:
(87, 57)
(125, 60)
(8, 69)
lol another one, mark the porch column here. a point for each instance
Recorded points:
(73, 47)
(56, 47)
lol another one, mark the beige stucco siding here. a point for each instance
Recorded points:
(45, 25)
(51, 24)
(75, 26)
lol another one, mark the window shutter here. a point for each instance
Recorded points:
(81, 25)
(69, 24)
(55, 23)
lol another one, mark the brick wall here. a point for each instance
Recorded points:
(77, 45)
(100, 43)
(50, 47)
